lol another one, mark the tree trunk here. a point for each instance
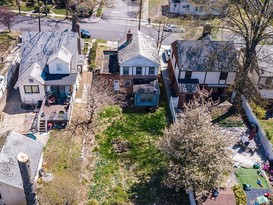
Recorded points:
(45, 1)
(19, 6)
(67, 8)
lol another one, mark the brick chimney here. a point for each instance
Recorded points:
(25, 170)
(129, 35)
(206, 30)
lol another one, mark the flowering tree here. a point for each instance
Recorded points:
(197, 150)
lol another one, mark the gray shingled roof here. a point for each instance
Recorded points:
(206, 55)
(141, 45)
(11, 143)
(38, 47)
(265, 60)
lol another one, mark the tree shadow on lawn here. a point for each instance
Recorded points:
(153, 191)
(222, 117)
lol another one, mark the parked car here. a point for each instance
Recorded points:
(167, 53)
(172, 28)
(85, 33)
(30, 135)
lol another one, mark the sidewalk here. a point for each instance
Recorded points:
(52, 15)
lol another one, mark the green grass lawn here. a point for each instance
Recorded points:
(120, 177)
(249, 176)
(59, 11)
(116, 173)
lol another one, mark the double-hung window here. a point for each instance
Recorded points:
(138, 70)
(125, 70)
(31, 89)
(151, 70)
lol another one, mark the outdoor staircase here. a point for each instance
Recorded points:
(42, 127)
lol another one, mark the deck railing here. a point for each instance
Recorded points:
(41, 112)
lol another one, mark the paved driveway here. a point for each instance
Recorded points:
(14, 117)
(254, 193)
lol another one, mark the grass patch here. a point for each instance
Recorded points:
(6, 40)
(120, 176)
(62, 158)
(23, 7)
(267, 125)
(249, 176)
(59, 11)
(225, 116)
(101, 41)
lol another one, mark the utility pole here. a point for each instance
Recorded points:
(140, 11)
(39, 17)
(45, 2)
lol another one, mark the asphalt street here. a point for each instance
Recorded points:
(114, 24)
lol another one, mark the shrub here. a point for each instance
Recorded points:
(258, 110)
(36, 8)
(240, 195)
(92, 56)
(92, 202)
(99, 12)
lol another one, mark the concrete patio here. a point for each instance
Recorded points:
(14, 117)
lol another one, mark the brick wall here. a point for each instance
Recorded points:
(109, 80)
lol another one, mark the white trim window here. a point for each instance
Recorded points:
(126, 70)
(29, 89)
(138, 70)
(151, 70)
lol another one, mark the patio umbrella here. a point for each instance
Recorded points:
(262, 200)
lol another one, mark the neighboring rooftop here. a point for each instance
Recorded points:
(140, 45)
(11, 143)
(265, 60)
(39, 47)
(206, 55)
(57, 79)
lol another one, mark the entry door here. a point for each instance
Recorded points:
(61, 91)
(116, 85)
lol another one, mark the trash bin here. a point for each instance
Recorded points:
(246, 187)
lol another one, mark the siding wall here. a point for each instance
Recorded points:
(12, 195)
(186, 8)
(31, 98)
(53, 67)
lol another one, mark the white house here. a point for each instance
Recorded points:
(186, 7)
(11, 184)
(50, 63)
(262, 78)
(201, 63)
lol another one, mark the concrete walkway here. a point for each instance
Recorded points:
(165, 73)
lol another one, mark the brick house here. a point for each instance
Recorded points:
(203, 63)
(133, 67)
